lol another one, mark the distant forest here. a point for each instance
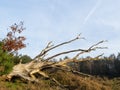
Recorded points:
(104, 66)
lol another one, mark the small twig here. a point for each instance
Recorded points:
(92, 48)
(44, 51)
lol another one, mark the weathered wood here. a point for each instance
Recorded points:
(39, 64)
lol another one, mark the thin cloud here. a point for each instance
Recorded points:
(114, 24)
(92, 11)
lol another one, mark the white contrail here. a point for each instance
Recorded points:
(92, 11)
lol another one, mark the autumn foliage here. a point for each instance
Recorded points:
(13, 42)
(9, 47)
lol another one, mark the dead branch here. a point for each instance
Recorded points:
(81, 51)
(51, 47)
(45, 50)
(91, 48)
(66, 52)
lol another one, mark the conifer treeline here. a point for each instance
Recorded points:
(105, 66)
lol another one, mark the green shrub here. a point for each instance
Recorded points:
(6, 61)
(24, 58)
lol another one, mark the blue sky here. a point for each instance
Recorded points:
(61, 20)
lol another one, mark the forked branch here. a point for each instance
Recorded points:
(50, 46)
(81, 51)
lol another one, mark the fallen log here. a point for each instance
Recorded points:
(41, 63)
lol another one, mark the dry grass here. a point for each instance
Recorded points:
(76, 82)
(73, 82)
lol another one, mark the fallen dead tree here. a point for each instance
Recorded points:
(41, 63)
